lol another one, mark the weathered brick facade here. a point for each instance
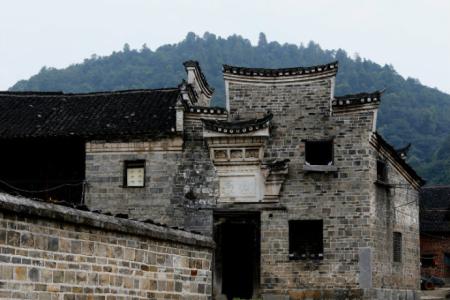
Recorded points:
(53, 252)
(357, 213)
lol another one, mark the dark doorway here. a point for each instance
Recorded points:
(238, 254)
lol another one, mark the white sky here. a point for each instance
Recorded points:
(412, 35)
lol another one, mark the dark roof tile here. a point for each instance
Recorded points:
(102, 114)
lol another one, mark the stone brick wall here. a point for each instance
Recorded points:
(396, 209)
(105, 175)
(437, 244)
(54, 252)
(195, 183)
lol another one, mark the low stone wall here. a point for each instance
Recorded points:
(49, 251)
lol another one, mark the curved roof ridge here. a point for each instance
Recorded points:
(240, 126)
(196, 65)
(279, 72)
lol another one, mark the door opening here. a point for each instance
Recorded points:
(237, 256)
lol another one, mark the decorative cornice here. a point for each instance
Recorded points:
(238, 127)
(282, 72)
(352, 100)
(206, 110)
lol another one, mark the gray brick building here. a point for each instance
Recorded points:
(303, 198)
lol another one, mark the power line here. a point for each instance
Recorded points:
(40, 191)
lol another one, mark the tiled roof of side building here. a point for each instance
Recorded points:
(435, 209)
(101, 114)
(281, 72)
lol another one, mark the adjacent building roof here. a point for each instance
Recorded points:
(435, 209)
(103, 114)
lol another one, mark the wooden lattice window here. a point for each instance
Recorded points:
(397, 246)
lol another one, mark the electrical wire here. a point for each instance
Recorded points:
(40, 191)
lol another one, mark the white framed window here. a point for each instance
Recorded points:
(134, 173)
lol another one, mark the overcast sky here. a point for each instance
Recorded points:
(412, 35)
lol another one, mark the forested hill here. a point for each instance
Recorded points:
(410, 112)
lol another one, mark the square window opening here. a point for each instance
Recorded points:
(381, 171)
(134, 173)
(428, 260)
(305, 239)
(319, 153)
(397, 247)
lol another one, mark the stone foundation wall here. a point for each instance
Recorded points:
(347, 294)
(54, 252)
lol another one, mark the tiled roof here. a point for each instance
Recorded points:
(356, 99)
(238, 127)
(263, 72)
(397, 158)
(435, 209)
(103, 114)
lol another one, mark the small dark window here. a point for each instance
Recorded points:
(427, 260)
(134, 173)
(319, 153)
(306, 239)
(381, 171)
(397, 247)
